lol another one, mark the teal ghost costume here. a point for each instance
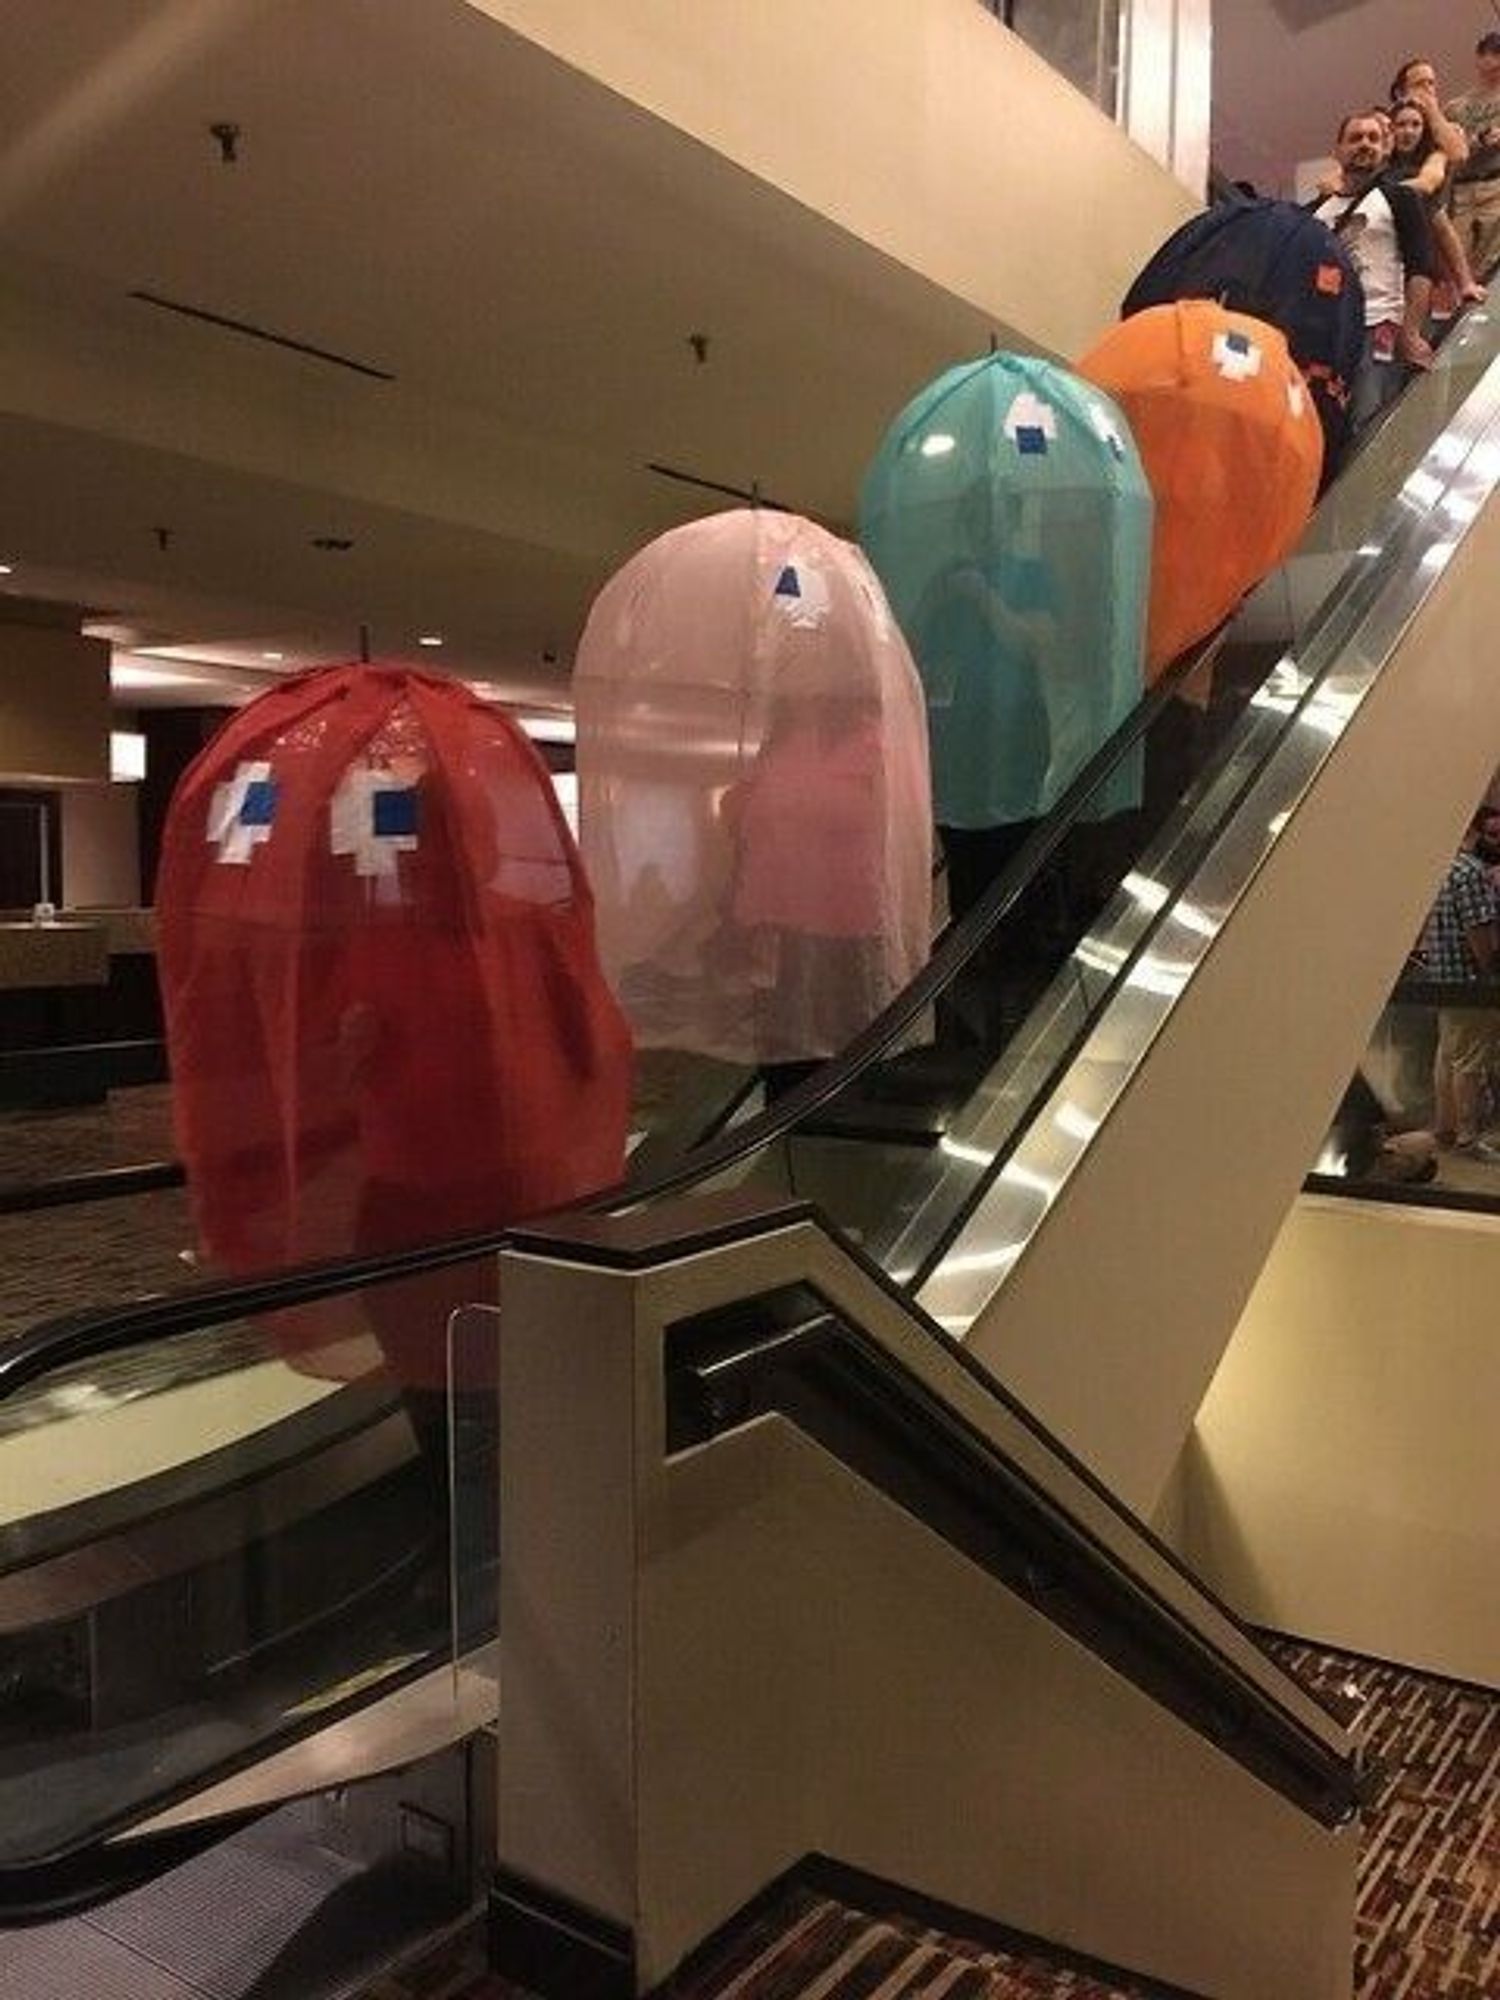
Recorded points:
(1009, 518)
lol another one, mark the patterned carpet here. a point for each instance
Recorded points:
(65, 1259)
(129, 1127)
(60, 1260)
(816, 1946)
(1428, 1922)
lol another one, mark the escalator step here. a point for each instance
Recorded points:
(67, 1961)
(268, 1914)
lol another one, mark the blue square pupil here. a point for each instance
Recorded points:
(394, 813)
(259, 808)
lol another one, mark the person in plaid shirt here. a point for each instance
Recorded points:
(1461, 947)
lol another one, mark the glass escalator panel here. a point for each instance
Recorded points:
(1392, 1136)
(215, 1542)
(93, 1203)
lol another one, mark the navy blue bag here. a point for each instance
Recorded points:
(1277, 262)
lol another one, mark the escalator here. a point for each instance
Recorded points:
(1096, 1262)
(200, 1572)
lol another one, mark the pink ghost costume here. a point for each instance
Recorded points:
(754, 790)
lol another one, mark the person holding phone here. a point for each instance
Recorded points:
(1476, 181)
(1428, 150)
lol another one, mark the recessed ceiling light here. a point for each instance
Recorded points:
(7, 569)
(430, 639)
(273, 656)
(127, 756)
(130, 675)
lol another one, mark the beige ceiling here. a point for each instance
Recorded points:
(427, 194)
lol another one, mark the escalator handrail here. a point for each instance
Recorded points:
(97, 1331)
(1045, 1089)
(830, 1379)
(638, 1243)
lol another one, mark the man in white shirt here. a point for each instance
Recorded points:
(1383, 227)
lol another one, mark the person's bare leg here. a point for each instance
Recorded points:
(1483, 245)
(1467, 1106)
(1444, 1111)
(1451, 249)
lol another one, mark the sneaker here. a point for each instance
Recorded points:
(1477, 1149)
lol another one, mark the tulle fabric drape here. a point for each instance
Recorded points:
(1007, 514)
(753, 790)
(386, 1019)
(1232, 446)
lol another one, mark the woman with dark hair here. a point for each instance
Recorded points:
(1428, 147)
(1417, 79)
(1416, 157)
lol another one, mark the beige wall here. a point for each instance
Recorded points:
(54, 704)
(921, 126)
(1341, 1481)
(100, 846)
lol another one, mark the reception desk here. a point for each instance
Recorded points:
(62, 954)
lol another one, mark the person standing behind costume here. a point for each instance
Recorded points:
(1461, 947)
(1419, 162)
(813, 824)
(1476, 182)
